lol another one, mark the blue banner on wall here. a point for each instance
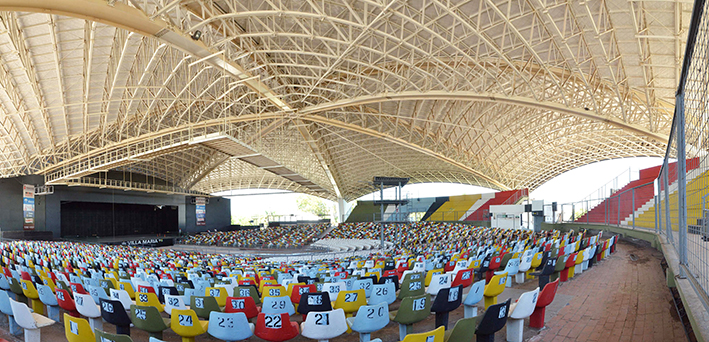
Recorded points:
(201, 211)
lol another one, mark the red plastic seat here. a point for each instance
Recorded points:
(246, 282)
(463, 277)
(570, 262)
(450, 265)
(536, 320)
(275, 327)
(146, 289)
(495, 263)
(298, 291)
(389, 273)
(25, 276)
(247, 305)
(66, 302)
(78, 288)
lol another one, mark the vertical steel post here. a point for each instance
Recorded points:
(381, 218)
(618, 213)
(681, 182)
(633, 207)
(668, 221)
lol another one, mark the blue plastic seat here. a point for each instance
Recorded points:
(369, 319)
(6, 308)
(97, 293)
(50, 300)
(365, 284)
(475, 295)
(277, 305)
(383, 293)
(230, 326)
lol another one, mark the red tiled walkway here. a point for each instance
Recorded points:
(625, 299)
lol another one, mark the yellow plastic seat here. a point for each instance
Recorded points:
(149, 299)
(430, 275)
(375, 274)
(128, 287)
(78, 329)
(536, 261)
(273, 291)
(219, 293)
(350, 301)
(264, 282)
(437, 334)
(49, 282)
(494, 288)
(31, 292)
(186, 324)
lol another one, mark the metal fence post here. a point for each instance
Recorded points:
(633, 207)
(681, 183)
(665, 178)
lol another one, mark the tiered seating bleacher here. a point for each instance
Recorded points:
(272, 237)
(231, 288)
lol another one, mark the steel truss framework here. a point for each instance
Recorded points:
(503, 94)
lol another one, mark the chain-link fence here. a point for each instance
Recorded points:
(683, 183)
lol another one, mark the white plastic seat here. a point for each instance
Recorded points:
(277, 305)
(47, 297)
(229, 326)
(438, 281)
(86, 306)
(324, 325)
(369, 319)
(511, 269)
(474, 296)
(520, 310)
(334, 289)
(123, 297)
(29, 321)
(174, 302)
(382, 293)
(524, 266)
(6, 308)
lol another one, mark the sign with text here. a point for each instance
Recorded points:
(201, 210)
(28, 206)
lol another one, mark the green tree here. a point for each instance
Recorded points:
(313, 205)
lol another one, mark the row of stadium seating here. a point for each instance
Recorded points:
(272, 237)
(125, 286)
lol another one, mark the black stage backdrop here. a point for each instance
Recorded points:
(85, 219)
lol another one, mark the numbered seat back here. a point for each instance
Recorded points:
(248, 290)
(103, 336)
(86, 306)
(46, 295)
(97, 293)
(436, 335)
(525, 305)
(122, 296)
(463, 277)
(430, 275)
(496, 285)
(166, 290)
(364, 284)
(316, 301)
(203, 305)
(148, 299)
(394, 279)
(273, 305)
(29, 290)
(350, 301)
(448, 299)
(334, 288)
(475, 294)
(413, 309)
(537, 260)
(233, 326)
(325, 325)
(219, 294)
(113, 311)
(438, 282)
(77, 329)
(275, 327)
(245, 305)
(383, 293)
(174, 302)
(148, 318)
(65, 301)
(412, 288)
(299, 290)
(546, 296)
(75, 287)
(273, 291)
(186, 323)
(370, 318)
(494, 319)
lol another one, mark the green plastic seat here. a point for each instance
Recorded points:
(559, 267)
(148, 318)
(411, 288)
(462, 331)
(240, 291)
(102, 336)
(412, 310)
(203, 305)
